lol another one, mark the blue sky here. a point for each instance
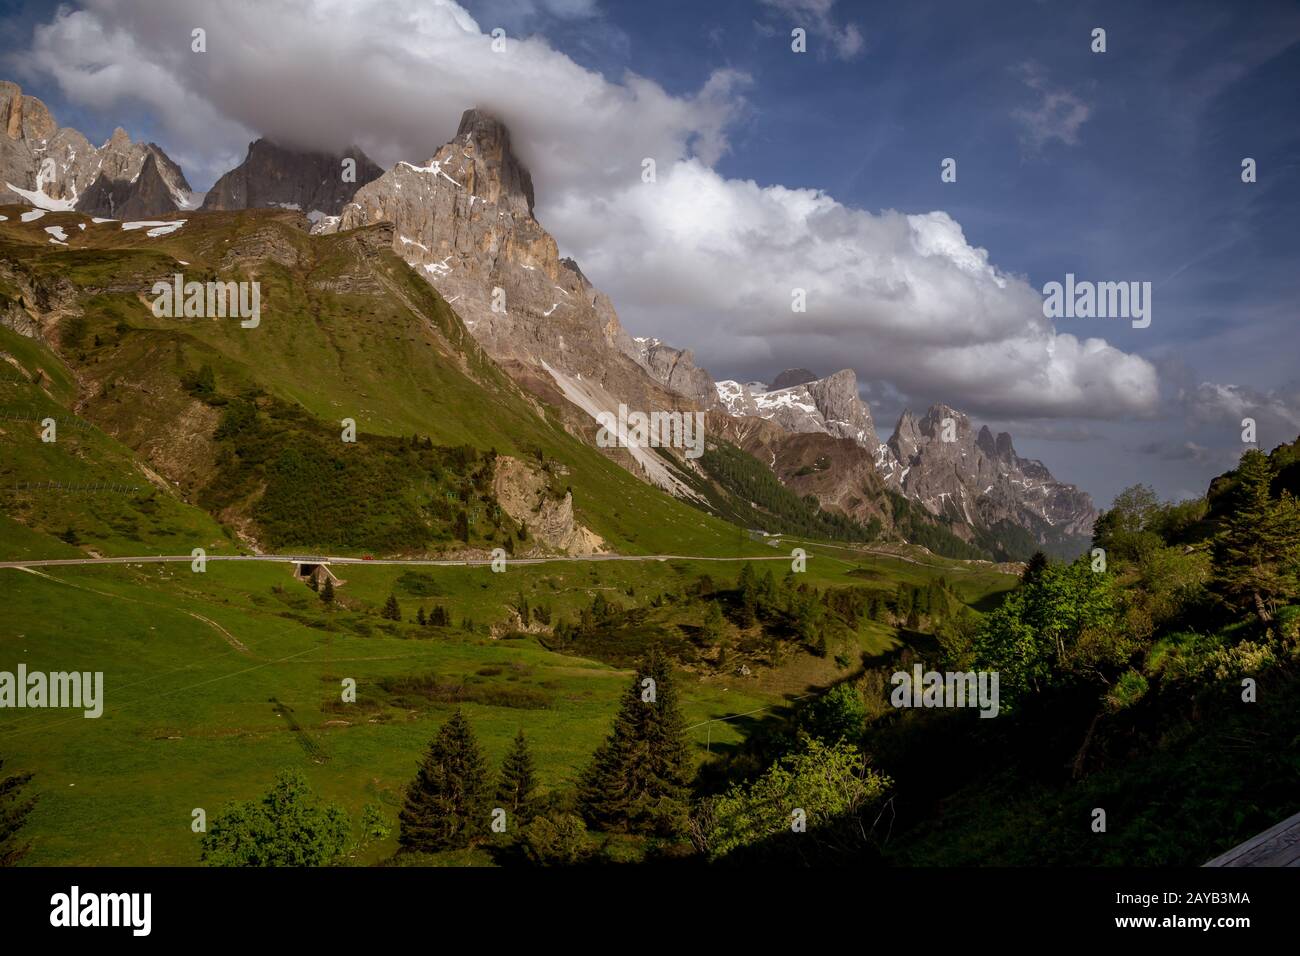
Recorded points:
(1114, 166)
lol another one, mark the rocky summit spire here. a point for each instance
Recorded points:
(493, 172)
(274, 175)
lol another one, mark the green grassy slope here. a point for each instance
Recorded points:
(83, 492)
(347, 331)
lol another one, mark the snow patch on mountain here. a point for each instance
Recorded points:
(40, 200)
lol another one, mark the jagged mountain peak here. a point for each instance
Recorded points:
(905, 426)
(791, 377)
(936, 414)
(276, 175)
(464, 221)
(25, 117)
(494, 173)
(977, 478)
(676, 369)
(146, 195)
(830, 405)
(999, 446)
(58, 168)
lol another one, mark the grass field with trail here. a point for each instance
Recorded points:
(190, 720)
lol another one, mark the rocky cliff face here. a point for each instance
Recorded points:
(464, 220)
(146, 196)
(134, 181)
(675, 369)
(522, 494)
(58, 168)
(272, 175)
(28, 129)
(943, 463)
(829, 405)
(838, 471)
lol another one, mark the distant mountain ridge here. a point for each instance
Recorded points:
(941, 462)
(974, 479)
(830, 405)
(57, 168)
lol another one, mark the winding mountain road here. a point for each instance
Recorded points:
(327, 559)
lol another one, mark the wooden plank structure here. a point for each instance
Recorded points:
(1277, 846)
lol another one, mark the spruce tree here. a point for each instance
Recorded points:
(419, 616)
(515, 789)
(711, 629)
(1034, 569)
(327, 590)
(1256, 558)
(638, 779)
(748, 611)
(446, 803)
(391, 610)
(767, 592)
(903, 602)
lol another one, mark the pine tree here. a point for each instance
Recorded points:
(638, 779)
(711, 629)
(14, 808)
(746, 580)
(446, 803)
(767, 592)
(1256, 556)
(903, 602)
(391, 610)
(515, 789)
(327, 590)
(420, 619)
(748, 613)
(1034, 569)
